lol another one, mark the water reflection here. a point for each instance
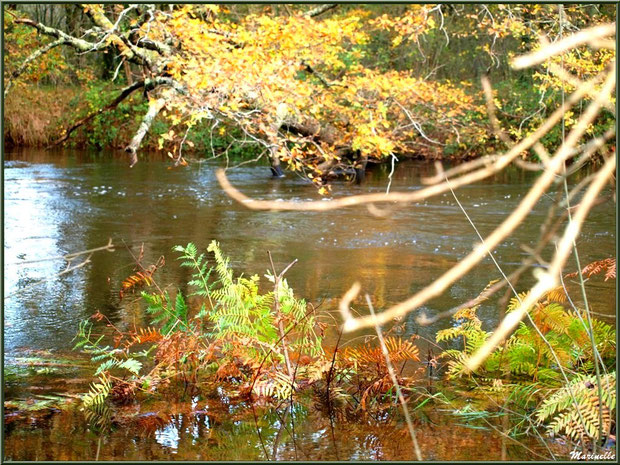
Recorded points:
(187, 435)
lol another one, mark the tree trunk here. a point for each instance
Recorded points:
(360, 169)
(276, 169)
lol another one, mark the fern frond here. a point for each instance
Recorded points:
(221, 264)
(172, 316)
(98, 392)
(582, 420)
(135, 280)
(148, 334)
(551, 317)
(557, 295)
(608, 265)
(277, 384)
(398, 349)
(516, 301)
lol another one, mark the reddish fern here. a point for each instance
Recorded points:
(608, 265)
(398, 350)
(140, 278)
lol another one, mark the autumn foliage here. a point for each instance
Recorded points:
(321, 90)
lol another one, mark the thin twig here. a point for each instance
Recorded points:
(276, 297)
(546, 280)
(583, 37)
(532, 322)
(388, 363)
(68, 257)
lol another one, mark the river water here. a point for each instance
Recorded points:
(63, 202)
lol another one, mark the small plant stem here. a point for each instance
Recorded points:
(392, 373)
(276, 442)
(260, 437)
(272, 349)
(276, 297)
(330, 376)
(589, 329)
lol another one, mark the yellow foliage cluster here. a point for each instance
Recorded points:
(261, 73)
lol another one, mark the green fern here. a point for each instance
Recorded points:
(98, 392)
(582, 422)
(130, 364)
(525, 355)
(171, 315)
(221, 264)
(243, 315)
(201, 275)
(299, 324)
(110, 359)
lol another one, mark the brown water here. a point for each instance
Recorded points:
(61, 202)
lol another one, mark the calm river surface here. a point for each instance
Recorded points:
(57, 203)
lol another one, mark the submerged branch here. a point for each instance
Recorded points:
(69, 259)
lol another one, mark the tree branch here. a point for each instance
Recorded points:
(80, 44)
(147, 84)
(127, 49)
(155, 107)
(319, 10)
(33, 56)
(126, 92)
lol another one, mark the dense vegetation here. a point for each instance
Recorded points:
(268, 347)
(321, 89)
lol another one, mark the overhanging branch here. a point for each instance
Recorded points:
(147, 84)
(79, 44)
(155, 107)
(33, 56)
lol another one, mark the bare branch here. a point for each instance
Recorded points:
(79, 44)
(593, 34)
(147, 84)
(548, 280)
(69, 258)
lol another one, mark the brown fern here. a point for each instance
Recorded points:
(556, 294)
(142, 336)
(228, 370)
(134, 281)
(399, 350)
(608, 265)
(140, 278)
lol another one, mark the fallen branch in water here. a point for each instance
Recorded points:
(69, 258)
